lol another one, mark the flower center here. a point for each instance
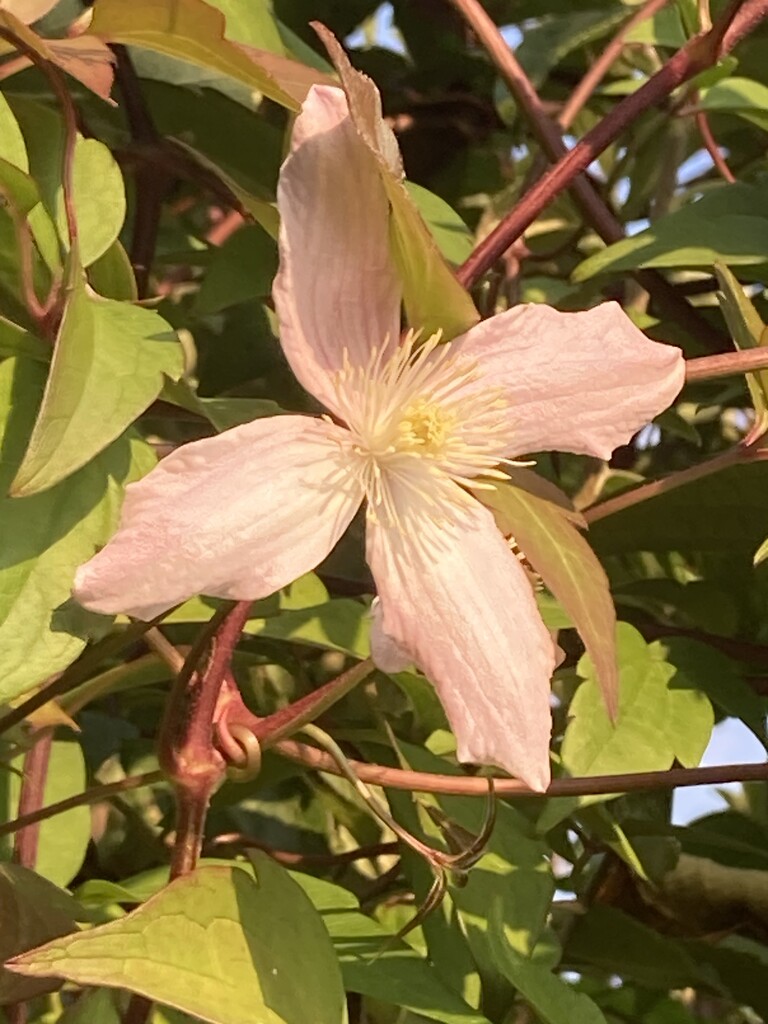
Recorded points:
(422, 423)
(425, 428)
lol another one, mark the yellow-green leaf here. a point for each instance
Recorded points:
(194, 31)
(215, 944)
(109, 364)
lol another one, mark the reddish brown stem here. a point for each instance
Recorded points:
(746, 451)
(726, 364)
(698, 54)
(600, 67)
(186, 750)
(93, 795)
(31, 795)
(595, 210)
(710, 144)
(428, 782)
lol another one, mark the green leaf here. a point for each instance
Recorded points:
(252, 24)
(94, 1006)
(554, 1000)
(16, 341)
(741, 96)
(656, 722)
(453, 237)
(99, 211)
(17, 188)
(719, 677)
(514, 864)
(241, 269)
(32, 911)
(726, 511)
(434, 300)
(728, 224)
(215, 944)
(746, 327)
(46, 536)
(65, 837)
(378, 967)
(340, 624)
(111, 275)
(545, 44)
(614, 942)
(565, 562)
(13, 149)
(194, 31)
(108, 366)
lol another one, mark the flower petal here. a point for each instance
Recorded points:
(337, 287)
(237, 516)
(576, 382)
(462, 606)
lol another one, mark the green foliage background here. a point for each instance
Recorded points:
(583, 909)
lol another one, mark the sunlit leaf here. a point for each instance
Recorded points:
(657, 720)
(46, 536)
(726, 225)
(554, 1000)
(195, 31)
(32, 911)
(109, 364)
(216, 944)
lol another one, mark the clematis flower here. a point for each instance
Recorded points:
(411, 425)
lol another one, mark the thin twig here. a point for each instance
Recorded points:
(93, 795)
(726, 365)
(697, 55)
(739, 454)
(710, 144)
(151, 183)
(597, 213)
(34, 778)
(428, 782)
(599, 68)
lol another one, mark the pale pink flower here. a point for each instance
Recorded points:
(245, 513)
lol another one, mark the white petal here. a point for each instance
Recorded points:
(575, 382)
(462, 606)
(337, 287)
(236, 516)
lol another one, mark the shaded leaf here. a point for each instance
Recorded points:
(613, 941)
(63, 838)
(554, 1000)
(746, 327)
(375, 966)
(727, 224)
(242, 269)
(725, 511)
(32, 911)
(215, 944)
(109, 364)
